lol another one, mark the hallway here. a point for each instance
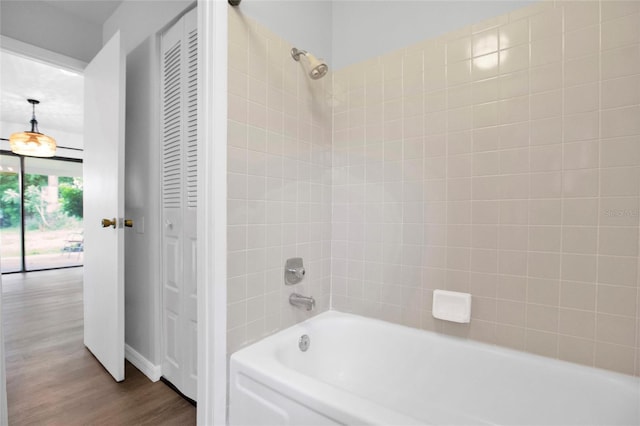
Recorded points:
(52, 378)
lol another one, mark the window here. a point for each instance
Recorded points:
(41, 226)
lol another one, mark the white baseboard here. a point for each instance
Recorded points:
(153, 372)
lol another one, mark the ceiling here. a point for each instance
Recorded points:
(96, 11)
(61, 92)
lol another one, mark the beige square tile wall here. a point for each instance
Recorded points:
(501, 160)
(279, 182)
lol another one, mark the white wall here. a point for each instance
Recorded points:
(142, 194)
(46, 26)
(365, 29)
(138, 19)
(305, 23)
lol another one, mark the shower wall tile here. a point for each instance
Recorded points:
(503, 160)
(279, 183)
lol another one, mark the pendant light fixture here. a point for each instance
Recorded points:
(33, 143)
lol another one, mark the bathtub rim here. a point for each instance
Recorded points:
(281, 335)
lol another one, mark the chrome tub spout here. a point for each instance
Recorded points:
(300, 301)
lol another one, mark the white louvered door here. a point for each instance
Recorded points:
(179, 63)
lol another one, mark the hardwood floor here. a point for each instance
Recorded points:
(53, 379)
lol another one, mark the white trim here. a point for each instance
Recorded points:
(212, 212)
(155, 170)
(4, 413)
(30, 51)
(153, 372)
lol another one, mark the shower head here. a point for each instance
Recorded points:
(316, 68)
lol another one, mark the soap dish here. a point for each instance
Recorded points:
(452, 306)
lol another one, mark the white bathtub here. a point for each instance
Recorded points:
(363, 371)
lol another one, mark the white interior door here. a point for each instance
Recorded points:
(189, 212)
(179, 47)
(104, 119)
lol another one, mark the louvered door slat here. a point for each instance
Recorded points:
(171, 129)
(191, 130)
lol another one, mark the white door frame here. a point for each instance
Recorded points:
(212, 212)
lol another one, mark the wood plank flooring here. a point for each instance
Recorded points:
(53, 379)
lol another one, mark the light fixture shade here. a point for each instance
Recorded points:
(32, 144)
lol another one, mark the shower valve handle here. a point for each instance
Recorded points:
(298, 272)
(294, 271)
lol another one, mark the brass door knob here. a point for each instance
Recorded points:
(109, 222)
(128, 223)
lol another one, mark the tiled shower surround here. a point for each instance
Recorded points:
(502, 159)
(279, 183)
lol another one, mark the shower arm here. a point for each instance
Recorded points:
(295, 53)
